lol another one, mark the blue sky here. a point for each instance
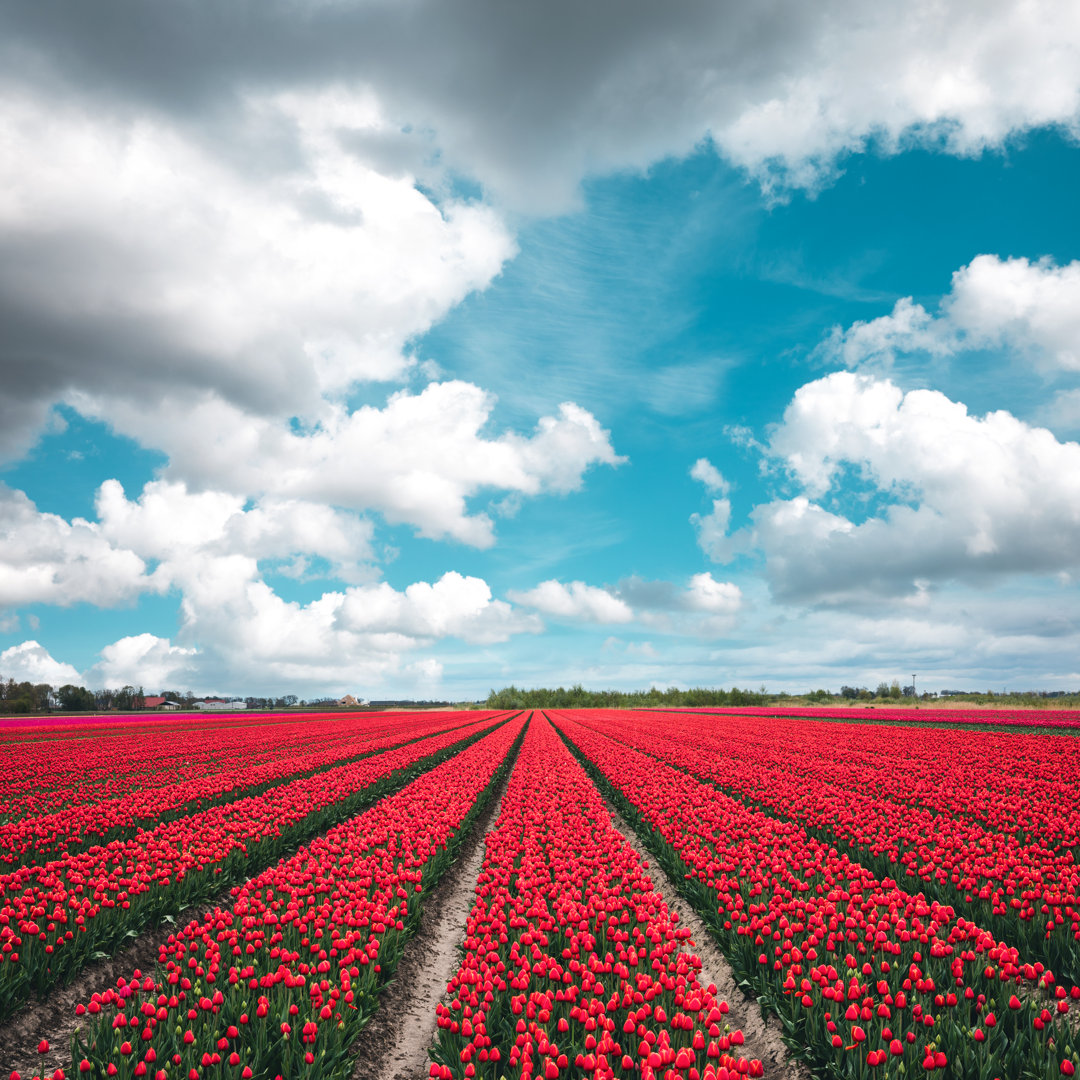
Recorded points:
(332, 374)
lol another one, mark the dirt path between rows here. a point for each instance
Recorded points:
(394, 1044)
(763, 1039)
(54, 1018)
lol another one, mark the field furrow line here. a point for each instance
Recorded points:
(395, 1043)
(183, 870)
(763, 1035)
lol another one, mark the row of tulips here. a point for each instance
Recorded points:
(1019, 718)
(868, 979)
(574, 966)
(166, 794)
(988, 822)
(56, 917)
(1016, 784)
(73, 770)
(79, 763)
(281, 981)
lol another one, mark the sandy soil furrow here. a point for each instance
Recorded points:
(394, 1045)
(763, 1040)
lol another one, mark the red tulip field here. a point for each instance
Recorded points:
(879, 900)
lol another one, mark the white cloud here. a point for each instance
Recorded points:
(204, 307)
(704, 606)
(707, 473)
(1031, 308)
(712, 530)
(45, 559)
(168, 522)
(576, 601)
(1024, 634)
(454, 605)
(143, 660)
(236, 631)
(968, 497)
(361, 634)
(1062, 411)
(910, 328)
(238, 635)
(424, 674)
(31, 662)
(417, 460)
(944, 75)
(707, 594)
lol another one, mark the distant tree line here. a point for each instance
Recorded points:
(577, 697)
(885, 692)
(27, 697)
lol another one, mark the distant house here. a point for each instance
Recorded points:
(214, 705)
(162, 703)
(349, 702)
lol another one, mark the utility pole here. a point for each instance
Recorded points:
(912, 685)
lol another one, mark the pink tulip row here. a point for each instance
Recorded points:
(72, 767)
(164, 789)
(988, 821)
(281, 980)
(574, 965)
(78, 765)
(56, 916)
(862, 973)
(1021, 718)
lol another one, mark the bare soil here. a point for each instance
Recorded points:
(763, 1038)
(394, 1044)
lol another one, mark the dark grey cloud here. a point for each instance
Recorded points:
(528, 97)
(525, 99)
(522, 95)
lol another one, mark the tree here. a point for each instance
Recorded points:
(75, 698)
(127, 697)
